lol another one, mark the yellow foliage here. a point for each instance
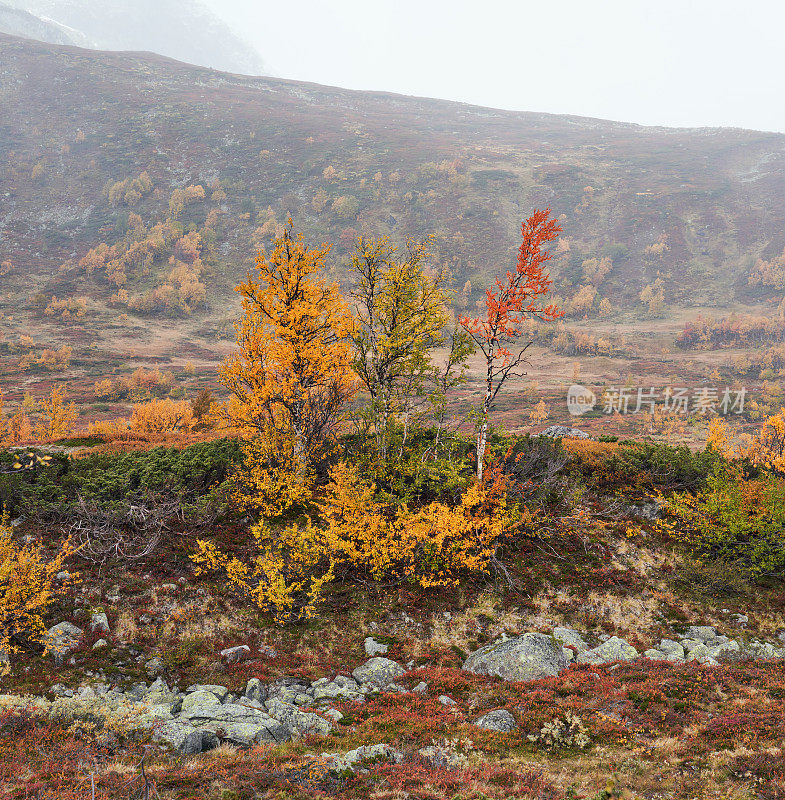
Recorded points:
(57, 418)
(293, 373)
(27, 587)
(430, 546)
(162, 416)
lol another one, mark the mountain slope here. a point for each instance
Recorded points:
(695, 206)
(183, 29)
(18, 22)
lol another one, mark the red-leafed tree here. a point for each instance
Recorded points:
(513, 300)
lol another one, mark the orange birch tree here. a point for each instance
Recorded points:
(514, 299)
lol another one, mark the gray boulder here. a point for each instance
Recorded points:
(99, 622)
(199, 741)
(614, 649)
(524, 658)
(563, 432)
(374, 648)
(199, 704)
(703, 633)
(62, 640)
(340, 688)
(234, 654)
(300, 723)
(221, 692)
(378, 672)
(500, 720)
(570, 637)
(256, 690)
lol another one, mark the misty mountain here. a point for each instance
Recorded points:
(19, 22)
(182, 29)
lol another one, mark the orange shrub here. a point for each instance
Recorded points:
(162, 416)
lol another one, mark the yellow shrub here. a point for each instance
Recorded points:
(162, 416)
(430, 546)
(27, 586)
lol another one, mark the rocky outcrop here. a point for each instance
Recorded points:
(500, 720)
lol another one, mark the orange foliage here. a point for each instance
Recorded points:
(162, 416)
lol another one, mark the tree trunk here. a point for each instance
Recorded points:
(482, 432)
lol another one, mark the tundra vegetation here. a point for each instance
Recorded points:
(334, 495)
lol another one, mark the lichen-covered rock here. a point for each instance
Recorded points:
(234, 654)
(300, 723)
(614, 649)
(221, 692)
(256, 690)
(199, 741)
(62, 639)
(500, 720)
(354, 760)
(703, 633)
(374, 648)
(524, 658)
(341, 687)
(571, 638)
(378, 672)
(99, 622)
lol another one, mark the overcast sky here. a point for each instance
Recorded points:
(660, 62)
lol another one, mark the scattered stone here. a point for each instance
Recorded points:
(378, 672)
(100, 644)
(155, 666)
(571, 638)
(374, 648)
(446, 700)
(421, 688)
(614, 649)
(300, 723)
(740, 619)
(99, 622)
(524, 658)
(564, 432)
(234, 654)
(197, 704)
(63, 576)
(256, 690)
(500, 720)
(221, 692)
(340, 688)
(267, 651)
(199, 741)
(703, 633)
(354, 760)
(63, 639)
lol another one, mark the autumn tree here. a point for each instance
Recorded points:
(293, 373)
(57, 417)
(400, 313)
(514, 299)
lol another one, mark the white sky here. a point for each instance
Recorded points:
(661, 62)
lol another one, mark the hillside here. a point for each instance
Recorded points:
(134, 191)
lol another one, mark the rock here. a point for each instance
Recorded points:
(267, 651)
(563, 432)
(221, 692)
(256, 690)
(99, 622)
(341, 687)
(699, 653)
(354, 759)
(703, 633)
(378, 672)
(421, 688)
(656, 655)
(671, 648)
(199, 704)
(727, 650)
(500, 720)
(199, 741)
(100, 644)
(62, 640)
(155, 666)
(249, 734)
(443, 756)
(300, 723)
(445, 700)
(524, 658)
(614, 649)
(63, 576)
(374, 648)
(570, 637)
(174, 733)
(332, 713)
(234, 654)
(741, 620)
